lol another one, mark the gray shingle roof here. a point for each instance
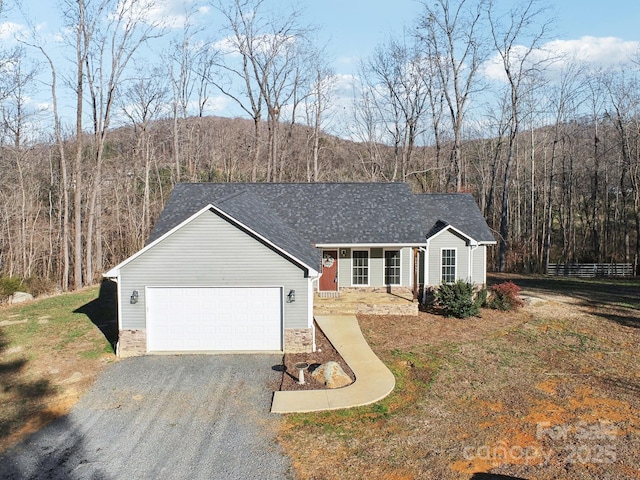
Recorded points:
(439, 210)
(297, 216)
(323, 213)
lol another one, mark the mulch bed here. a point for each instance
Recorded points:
(325, 352)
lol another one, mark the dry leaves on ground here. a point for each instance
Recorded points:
(550, 391)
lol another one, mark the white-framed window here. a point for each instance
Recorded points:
(360, 267)
(392, 264)
(448, 262)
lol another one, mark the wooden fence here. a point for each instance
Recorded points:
(590, 269)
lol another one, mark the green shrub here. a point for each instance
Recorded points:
(482, 298)
(36, 286)
(457, 299)
(10, 285)
(504, 296)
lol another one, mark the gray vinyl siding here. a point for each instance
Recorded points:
(344, 267)
(376, 266)
(447, 239)
(209, 252)
(406, 268)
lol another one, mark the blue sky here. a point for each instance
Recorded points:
(603, 32)
(355, 27)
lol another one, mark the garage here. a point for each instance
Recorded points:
(204, 319)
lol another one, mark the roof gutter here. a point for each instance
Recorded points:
(368, 245)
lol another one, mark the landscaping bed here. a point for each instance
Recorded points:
(325, 352)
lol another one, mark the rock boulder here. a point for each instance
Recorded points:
(20, 297)
(332, 375)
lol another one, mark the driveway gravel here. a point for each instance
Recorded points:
(173, 417)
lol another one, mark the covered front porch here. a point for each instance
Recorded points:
(357, 301)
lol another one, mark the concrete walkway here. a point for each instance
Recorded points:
(373, 382)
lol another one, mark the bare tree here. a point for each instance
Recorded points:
(145, 98)
(18, 76)
(190, 64)
(317, 102)
(64, 184)
(366, 128)
(623, 112)
(516, 35)
(114, 46)
(451, 31)
(260, 52)
(564, 99)
(395, 74)
(284, 56)
(436, 111)
(83, 24)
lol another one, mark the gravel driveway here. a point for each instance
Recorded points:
(173, 417)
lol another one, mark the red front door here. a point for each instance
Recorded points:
(329, 278)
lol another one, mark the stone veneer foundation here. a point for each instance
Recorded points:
(133, 343)
(298, 340)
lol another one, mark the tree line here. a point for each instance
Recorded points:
(550, 153)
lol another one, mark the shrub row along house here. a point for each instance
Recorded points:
(234, 266)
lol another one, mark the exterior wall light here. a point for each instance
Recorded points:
(134, 297)
(291, 296)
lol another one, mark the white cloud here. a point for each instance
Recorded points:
(493, 68)
(10, 30)
(167, 13)
(225, 46)
(340, 115)
(44, 106)
(591, 52)
(62, 35)
(216, 105)
(596, 51)
(344, 85)
(265, 43)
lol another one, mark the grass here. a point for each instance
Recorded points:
(481, 396)
(615, 292)
(467, 391)
(50, 355)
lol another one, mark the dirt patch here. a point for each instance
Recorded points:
(551, 391)
(406, 332)
(35, 392)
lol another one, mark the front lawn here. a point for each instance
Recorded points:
(551, 391)
(50, 354)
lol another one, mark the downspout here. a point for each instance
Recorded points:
(313, 338)
(416, 273)
(310, 312)
(472, 248)
(425, 268)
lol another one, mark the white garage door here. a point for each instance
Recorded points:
(210, 319)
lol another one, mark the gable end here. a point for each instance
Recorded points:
(261, 240)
